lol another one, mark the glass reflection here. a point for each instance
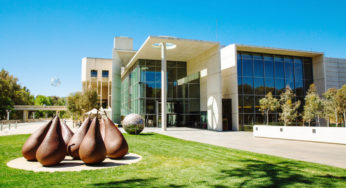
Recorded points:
(259, 74)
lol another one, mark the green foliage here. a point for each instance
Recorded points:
(79, 103)
(172, 162)
(267, 104)
(41, 100)
(340, 98)
(289, 109)
(12, 93)
(330, 110)
(313, 107)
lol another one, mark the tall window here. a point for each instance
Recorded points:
(183, 94)
(105, 74)
(259, 74)
(93, 73)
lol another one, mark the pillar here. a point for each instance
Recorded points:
(107, 94)
(8, 114)
(116, 87)
(25, 115)
(101, 93)
(163, 87)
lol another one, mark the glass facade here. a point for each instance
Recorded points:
(259, 74)
(141, 93)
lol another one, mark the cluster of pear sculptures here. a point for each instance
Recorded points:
(92, 143)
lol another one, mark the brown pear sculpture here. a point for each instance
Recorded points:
(52, 149)
(102, 128)
(92, 149)
(34, 141)
(66, 134)
(116, 145)
(76, 140)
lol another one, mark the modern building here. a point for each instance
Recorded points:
(97, 74)
(206, 85)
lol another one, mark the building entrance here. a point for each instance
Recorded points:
(226, 114)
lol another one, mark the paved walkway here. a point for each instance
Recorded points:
(329, 154)
(25, 128)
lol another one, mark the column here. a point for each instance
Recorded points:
(101, 93)
(116, 86)
(8, 114)
(163, 87)
(107, 94)
(25, 115)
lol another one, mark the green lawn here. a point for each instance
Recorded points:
(170, 162)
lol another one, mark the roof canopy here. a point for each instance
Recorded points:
(185, 50)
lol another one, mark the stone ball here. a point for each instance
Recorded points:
(133, 124)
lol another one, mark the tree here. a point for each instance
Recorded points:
(78, 103)
(267, 104)
(330, 106)
(341, 102)
(288, 107)
(89, 100)
(12, 93)
(313, 107)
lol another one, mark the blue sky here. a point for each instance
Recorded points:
(44, 39)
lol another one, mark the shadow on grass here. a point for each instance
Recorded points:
(146, 134)
(136, 182)
(263, 174)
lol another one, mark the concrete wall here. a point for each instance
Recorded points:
(229, 80)
(335, 69)
(316, 134)
(319, 74)
(98, 64)
(208, 63)
(123, 43)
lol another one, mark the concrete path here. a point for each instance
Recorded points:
(328, 154)
(25, 128)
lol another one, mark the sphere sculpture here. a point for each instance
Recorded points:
(133, 124)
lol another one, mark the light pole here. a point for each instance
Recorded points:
(164, 46)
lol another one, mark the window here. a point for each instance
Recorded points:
(258, 68)
(259, 74)
(93, 73)
(105, 74)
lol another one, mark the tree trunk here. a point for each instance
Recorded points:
(344, 114)
(318, 120)
(268, 117)
(336, 118)
(328, 122)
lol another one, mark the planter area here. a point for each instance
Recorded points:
(336, 135)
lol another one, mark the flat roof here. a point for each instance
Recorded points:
(185, 50)
(281, 51)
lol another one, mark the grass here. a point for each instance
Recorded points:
(171, 162)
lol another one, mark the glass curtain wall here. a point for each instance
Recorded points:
(141, 93)
(259, 74)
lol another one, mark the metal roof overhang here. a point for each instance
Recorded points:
(279, 51)
(185, 50)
